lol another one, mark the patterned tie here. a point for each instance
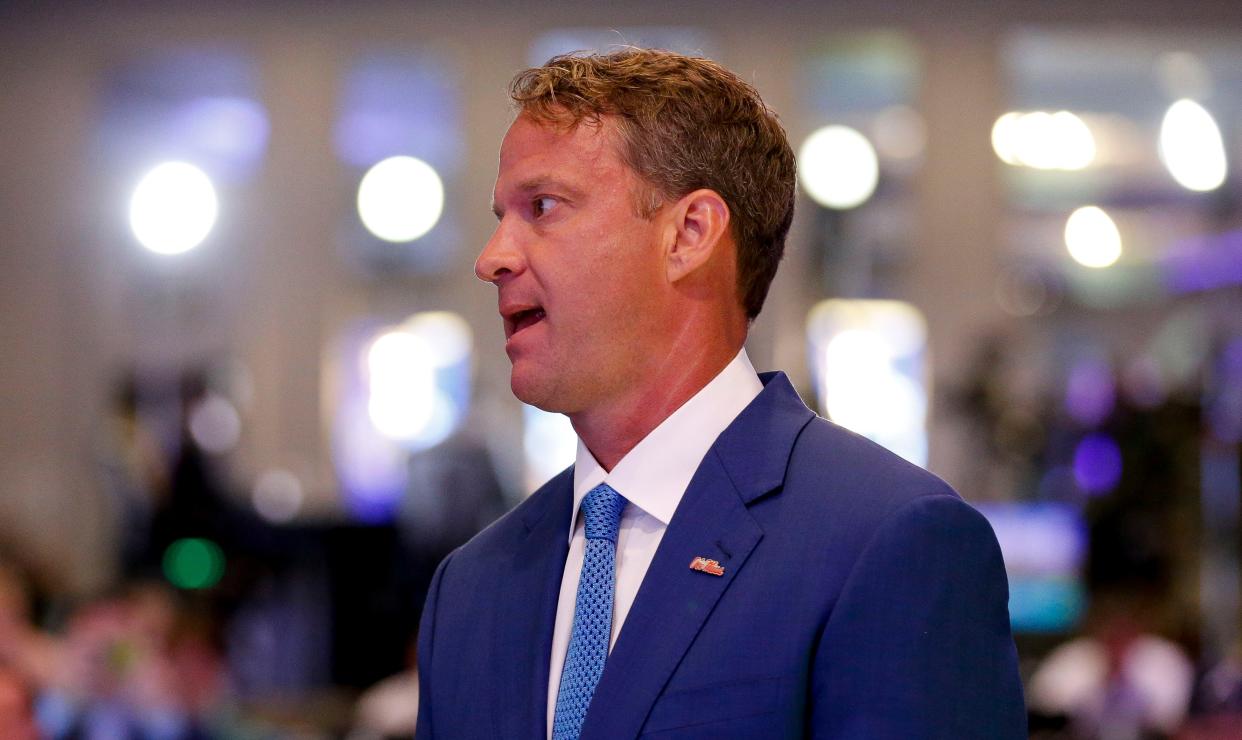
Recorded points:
(588, 643)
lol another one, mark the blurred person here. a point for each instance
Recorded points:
(198, 502)
(740, 567)
(16, 706)
(28, 654)
(389, 709)
(1216, 710)
(134, 471)
(452, 494)
(124, 672)
(1118, 682)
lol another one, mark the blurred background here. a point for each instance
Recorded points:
(253, 392)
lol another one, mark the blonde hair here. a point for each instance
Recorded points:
(685, 123)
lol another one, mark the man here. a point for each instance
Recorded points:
(719, 563)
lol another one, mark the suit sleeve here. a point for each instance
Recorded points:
(426, 640)
(918, 645)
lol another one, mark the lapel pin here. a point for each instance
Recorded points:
(703, 565)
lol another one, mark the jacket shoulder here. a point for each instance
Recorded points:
(833, 467)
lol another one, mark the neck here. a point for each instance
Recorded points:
(611, 430)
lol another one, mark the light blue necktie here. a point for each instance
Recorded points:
(588, 644)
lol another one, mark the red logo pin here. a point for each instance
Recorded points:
(703, 565)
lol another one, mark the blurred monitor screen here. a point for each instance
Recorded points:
(1044, 545)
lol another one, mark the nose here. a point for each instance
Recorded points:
(501, 256)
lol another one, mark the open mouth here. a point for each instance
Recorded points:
(524, 319)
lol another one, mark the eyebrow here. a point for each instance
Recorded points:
(536, 184)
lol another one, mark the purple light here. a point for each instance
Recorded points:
(1097, 464)
(371, 469)
(401, 103)
(1231, 358)
(1038, 539)
(1225, 410)
(1090, 392)
(232, 131)
(1204, 263)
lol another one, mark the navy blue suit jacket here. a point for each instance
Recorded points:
(861, 598)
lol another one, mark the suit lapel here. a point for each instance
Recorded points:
(673, 602)
(523, 638)
(748, 460)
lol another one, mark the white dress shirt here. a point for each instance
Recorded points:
(652, 478)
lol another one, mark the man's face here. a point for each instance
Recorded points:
(580, 274)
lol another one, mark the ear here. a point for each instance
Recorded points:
(699, 226)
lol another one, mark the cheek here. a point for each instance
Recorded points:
(608, 278)
(632, 252)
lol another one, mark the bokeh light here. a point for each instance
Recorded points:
(1097, 463)
(862, 390)
(215, 425)
(400, 199)
(867, 359)
(1090, 392)
(278, 496)
(402, 384)
(838, 167)
(173, 208)
(1045, 141)
(418, 377)
(447, 334)
(1092, 238)
(1004, 137)
(230, 131)
(1191, 147)
(193, 563)
(900, 132)
(403, 388)
(1038, 538)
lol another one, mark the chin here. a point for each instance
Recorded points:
(532, 388)
(544, 390)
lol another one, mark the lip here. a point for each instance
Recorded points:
(519, 317)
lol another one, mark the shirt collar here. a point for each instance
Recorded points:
(654, 475)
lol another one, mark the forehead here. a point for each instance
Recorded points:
(587, 152)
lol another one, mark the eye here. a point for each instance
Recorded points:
(542, 204)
